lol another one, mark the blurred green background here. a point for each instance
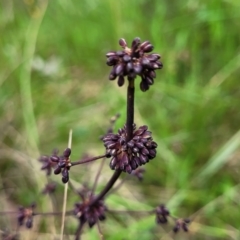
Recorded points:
(53, 78)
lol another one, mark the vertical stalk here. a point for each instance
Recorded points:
(65, 191)
(79, 230)
(109, 185)
(25, 79)
(130, 109)
(129, 125)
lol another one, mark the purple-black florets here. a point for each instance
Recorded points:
(128, 155)
(134, 61)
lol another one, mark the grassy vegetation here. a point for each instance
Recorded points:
(53, 78)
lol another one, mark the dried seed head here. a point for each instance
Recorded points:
(134, 61)
(62, 164)
(128, 155)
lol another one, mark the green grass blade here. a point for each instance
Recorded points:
(220, 158)
(25, 78)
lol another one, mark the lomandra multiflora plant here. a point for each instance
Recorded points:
(127, 150)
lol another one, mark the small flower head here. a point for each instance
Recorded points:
(181, 224)
(134, 61)
(128, 155)
(63, 164)
(162, 214)
(25, 215)
(89, 213)
(49, 188)
(139, 172)
(47, 164)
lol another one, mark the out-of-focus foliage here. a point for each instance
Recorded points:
(53, 77)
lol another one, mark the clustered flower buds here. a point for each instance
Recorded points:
(63, 164)
(47, 164)
(134, 61)
(181, 224)
(128, 155)
(90, 213)
(26, 215)
(161, 214)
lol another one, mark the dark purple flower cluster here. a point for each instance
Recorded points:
(63, 164)
(134, 61)
(26, 215)
(90, 214)
(162, 214)
(128, 155)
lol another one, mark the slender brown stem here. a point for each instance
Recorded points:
(130, 109)
(109, 185)
(132, 211)
(129, 125)
(88, 160)
(79, 230)
(78, 193)
(54, 213)
(119, 184)
(99, 231)
(97, 176)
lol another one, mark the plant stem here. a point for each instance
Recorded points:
(132, 212)
(129, 125)
(130, 109)
(70, 212)
(65, 192)
(119, 184)
(97, 176)
(88, 160)
(79, 230)
(109, 185)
